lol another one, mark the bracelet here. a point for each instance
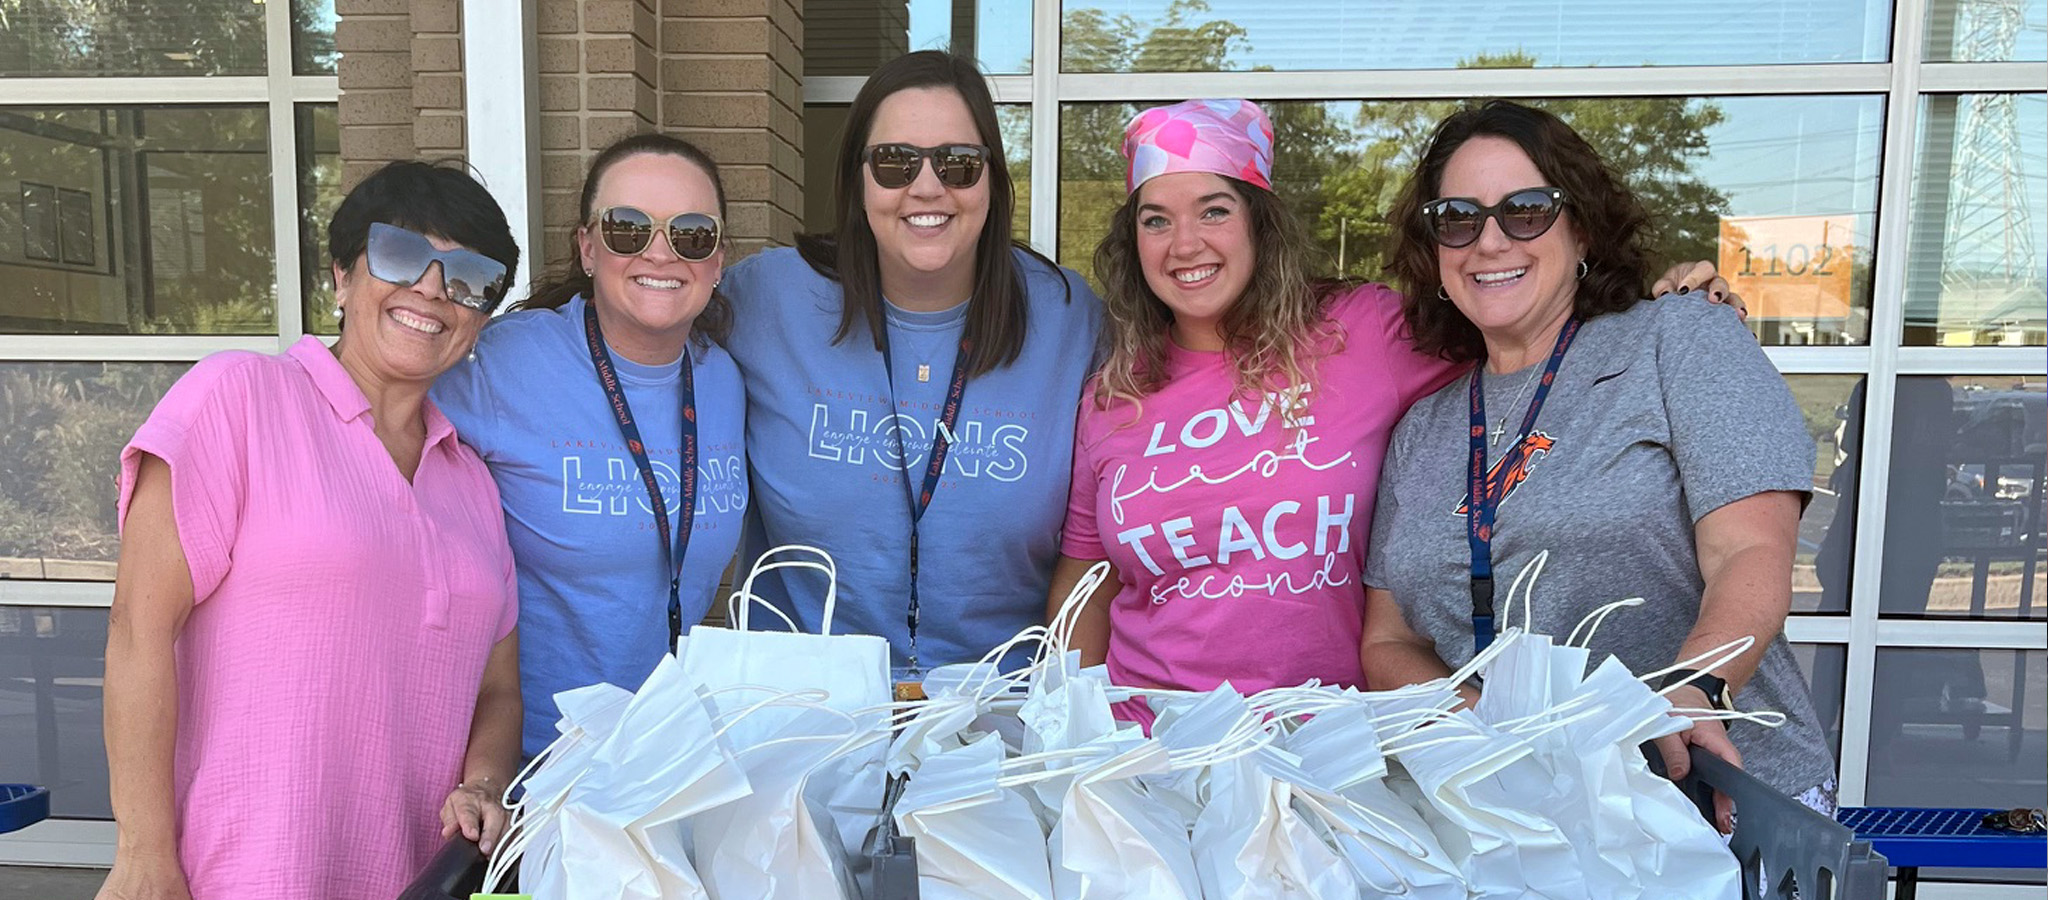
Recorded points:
(483, 784)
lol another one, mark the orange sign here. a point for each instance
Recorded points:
(1789, 267)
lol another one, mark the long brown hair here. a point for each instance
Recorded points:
(1610, 222)
(1272, 334)
(567, 278)
(997, 309)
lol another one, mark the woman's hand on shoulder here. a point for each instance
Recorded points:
(1699, 276)
(151, 876)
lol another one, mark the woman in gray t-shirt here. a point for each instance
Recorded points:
(1666, 458)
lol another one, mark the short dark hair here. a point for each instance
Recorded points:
(996, 310)
(1610, 222)
(433, 198)
(567, 278)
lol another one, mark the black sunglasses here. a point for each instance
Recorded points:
(1523, 215)
(469, 278)
(627, 231)
(897, 165)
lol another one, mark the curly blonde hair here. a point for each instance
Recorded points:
(1272, 335)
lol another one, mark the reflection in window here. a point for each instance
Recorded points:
(51, 664)
(1780, 191)
(823, 125)
(46, 37)
(319, 148)
(1963, 519)
(134, 220)
(1824, 666)
(1959, 728)
(1974, 276)
(1194, 36)
(61, 429)
(313, 37)
(1987, 30)
(852, 37)
(1827, 530)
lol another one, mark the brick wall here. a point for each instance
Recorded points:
(725, 74)
(401, 82)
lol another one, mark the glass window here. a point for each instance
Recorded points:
(1194, 36)
(1824, 666)
(1963, 526)
(852, 37)
(61, 429)
(1781, 191)
(136, 220)
(823, 125)
(319, 148)
(1832, 406)
(1960, 728)
(1976, 31)
(313, 37)
(1974, 275)
(62, 37)
(51, 664)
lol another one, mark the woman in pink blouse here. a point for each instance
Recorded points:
(311, 663)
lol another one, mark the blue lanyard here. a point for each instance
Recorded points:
(921, 498)
(1480, 505)
(674, 544)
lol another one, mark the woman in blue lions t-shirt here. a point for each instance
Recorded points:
(612, 421)
(912, 379)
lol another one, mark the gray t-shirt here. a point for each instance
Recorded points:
(1659, 415)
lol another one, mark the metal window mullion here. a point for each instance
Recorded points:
(1046, 88)
(1888, 314)
(315, 89)
(1972, 361)
(1979, 77)
(1973, 634)
(1406, 84)
(243, 89)
(1816, 629)
(68, 594)
(284, 172)
(1819, 360)
(125, 348)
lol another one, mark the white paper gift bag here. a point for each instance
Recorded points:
(1250, 843)
(1484, 782)
(977, 838)
(663, 763)
(1113, 842)
(852, 668)
(772, 844)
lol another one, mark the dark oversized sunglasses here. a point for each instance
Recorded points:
(897, 165)
(627, 231)
(469, 278)
(1523, 215)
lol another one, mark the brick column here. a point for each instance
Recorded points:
(598, 71)
(401, 82)
(732, 83)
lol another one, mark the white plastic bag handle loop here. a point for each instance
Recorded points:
(1596, 619)
(742, 601)
(1247, 735)
(1767, 718)
(1060, 631)
(1334, 823)
(1703, 663)
(1528, 574)
(805, 698)
(1085, 758)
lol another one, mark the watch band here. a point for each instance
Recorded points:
(1715, 687)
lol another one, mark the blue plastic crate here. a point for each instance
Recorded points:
(22, 805)
(1911, 838)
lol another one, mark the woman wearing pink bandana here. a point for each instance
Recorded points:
(1227, 457)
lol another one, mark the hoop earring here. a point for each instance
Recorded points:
(1442, 294)
(1582, 268)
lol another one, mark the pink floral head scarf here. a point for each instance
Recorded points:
(1225, 137)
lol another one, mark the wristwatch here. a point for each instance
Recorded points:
(1716, 688)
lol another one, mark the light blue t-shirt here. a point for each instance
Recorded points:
(826, 470)
(593, 599)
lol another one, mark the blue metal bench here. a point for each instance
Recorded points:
(22, 805)
(1912, 838)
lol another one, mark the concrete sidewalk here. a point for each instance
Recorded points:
(22, 883)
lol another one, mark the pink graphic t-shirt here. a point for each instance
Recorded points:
(1237, 524)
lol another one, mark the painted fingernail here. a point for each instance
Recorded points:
(1684, 289)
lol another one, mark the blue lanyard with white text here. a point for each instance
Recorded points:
(673, 544)
(1479, 505)
(921, 499)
